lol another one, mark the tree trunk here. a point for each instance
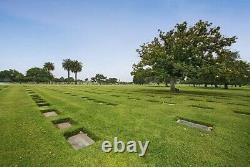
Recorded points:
(235, 85)
(68, 75)
(225, 86)
(216, 85)
(76, 78)
(172, 84)
(205, 85)
(193, 85)
(166, 84)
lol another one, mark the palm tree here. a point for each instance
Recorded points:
(67, 64)
(48, 66)
(75, 68)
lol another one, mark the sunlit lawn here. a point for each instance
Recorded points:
(129, 113)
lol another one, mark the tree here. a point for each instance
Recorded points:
(99, 78)
(11, 75)
(38, 75)
(48, 66)
(112, 80)
(183, 49)
(76, 67)
(67, 64)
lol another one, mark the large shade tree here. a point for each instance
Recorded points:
(182, 51)
(76, 67)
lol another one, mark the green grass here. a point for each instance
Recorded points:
(129, 113)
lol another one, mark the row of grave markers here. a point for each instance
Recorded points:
(78, 139)
(182, 121)
(81, 140)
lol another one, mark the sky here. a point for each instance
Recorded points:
(104, 35)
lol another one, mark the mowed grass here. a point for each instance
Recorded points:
(129, 113)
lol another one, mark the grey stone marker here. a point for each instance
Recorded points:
(80, 140)
(244, 114)
(194, 125)
(44, 108)
(63, 125)
(50, 114)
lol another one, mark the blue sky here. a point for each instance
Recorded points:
(104, 35)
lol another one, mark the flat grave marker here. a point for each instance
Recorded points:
(195, 125)
(63, 125)
(50, 114)
(80, 140)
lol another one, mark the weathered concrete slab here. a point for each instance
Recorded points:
(194, 125)
(50, 114)
(80, 140)
(63, 125)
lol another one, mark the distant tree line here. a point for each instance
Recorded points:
(199, 54)
(44, 74)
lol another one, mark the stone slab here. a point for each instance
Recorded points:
(63, 125)
(80, 140)
(50, 114)
(194, 125)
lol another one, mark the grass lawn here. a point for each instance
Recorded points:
(129, 113)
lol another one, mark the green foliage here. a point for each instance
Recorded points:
(38, 75)
(111, 80)
(48, 66)
(11, 76)
(101, 79)
(67, 64)
(73, 66)
(76, 67)
(199, 53)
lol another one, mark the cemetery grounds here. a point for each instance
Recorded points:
(138, 113)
